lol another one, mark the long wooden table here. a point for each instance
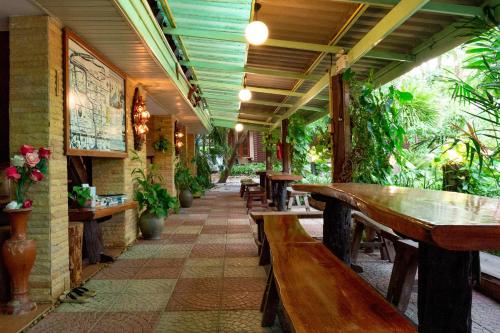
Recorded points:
(279, 183)
(448, 227)
(92, 237)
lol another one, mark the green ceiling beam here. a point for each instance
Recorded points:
(431, 7)
(231, 68)
(307, 108)
(248, 121)
(396, 16)
(225, 86)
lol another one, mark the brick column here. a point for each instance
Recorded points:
(36, 118)
(165, 126)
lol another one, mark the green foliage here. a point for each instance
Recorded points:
(162, 145)
(81, 195)
(148, 192)
(183, 177)
(203, 172)
(250, 169)
(299, 139)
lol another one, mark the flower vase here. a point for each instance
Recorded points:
(19, 256)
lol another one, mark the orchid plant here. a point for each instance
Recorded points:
(27, 168)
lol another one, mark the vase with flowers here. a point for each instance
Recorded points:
(27, 168)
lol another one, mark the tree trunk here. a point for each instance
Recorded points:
(234, 152)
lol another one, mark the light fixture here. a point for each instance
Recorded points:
(245, 95)
(238, 127)
(256, 33)
(140, 117)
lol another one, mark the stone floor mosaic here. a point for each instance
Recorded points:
(203, 276)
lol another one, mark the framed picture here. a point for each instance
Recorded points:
(95, 108)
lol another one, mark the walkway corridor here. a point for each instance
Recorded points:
(202, 276)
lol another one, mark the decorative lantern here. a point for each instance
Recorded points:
(141, 117)
(178, 135)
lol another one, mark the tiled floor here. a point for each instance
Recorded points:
(203, 276)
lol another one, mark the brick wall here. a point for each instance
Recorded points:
(165, 126)
(36, 118)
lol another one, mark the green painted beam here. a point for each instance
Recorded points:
(224, 86)
(431, 7)
(390, 22)
(248, 121)
(231, 68)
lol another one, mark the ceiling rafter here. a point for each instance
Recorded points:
(397, 16)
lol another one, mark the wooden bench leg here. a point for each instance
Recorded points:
(389, 249)
(265, 255)
(270, 303)
(356, 240)
(290, 202)
(266, 291)
(403, 276)
(306, 203)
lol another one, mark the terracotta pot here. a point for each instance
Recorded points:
(19, 256)
(151, 226)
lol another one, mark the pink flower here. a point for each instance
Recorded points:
(44, 153)
(27, 203)
(36, 175)
(25, 149)
(11, 173)
(32, 159)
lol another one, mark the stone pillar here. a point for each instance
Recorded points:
(36, 118)
(113, 176)
(190, 152)
(165, 126)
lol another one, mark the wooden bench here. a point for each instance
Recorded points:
(256, 194)
(245, 185)
(296, 196)
(319, 293)
(259, 217)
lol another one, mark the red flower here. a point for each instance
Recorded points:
(26, 149)
(44, 153)
(27, 203)
(36, 175)
(11, 173)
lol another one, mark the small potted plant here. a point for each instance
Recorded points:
(183, 182)
(153, 200)
(81, 196)
(161, 145)
(27, 168)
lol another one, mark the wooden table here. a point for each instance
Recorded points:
(279, 183)
(92, 237)
(448, 227)
(262, 177)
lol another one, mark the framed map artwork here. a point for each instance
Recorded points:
(95, 109)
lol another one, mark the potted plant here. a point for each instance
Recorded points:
(183, 181)
(161, 145)
(153, 200)
(81, 196)
(27, 168)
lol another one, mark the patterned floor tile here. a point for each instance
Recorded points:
(117, 273)
(189, 301)
(190, 285)
(150, 286)
(242, 261)
(58, 322)
(243, 321)
(205, 262)
(238, 229)
(243, 284)
(202, 272)
(244, 240)
(193, 222)
(162, 272)
(129, 322)
(164, 262)
(208, 251)
(241, 250)
(141, 251)
(214, 229)
(182, 239)
(140, 302)
(241, 300)
(189, 229)
(100, 303)
(211, 239)
(242, 271)
(243, 221)
(173, 251)
(188, 322)
(107, 286)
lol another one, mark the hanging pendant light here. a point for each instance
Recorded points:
(245, 95)
(256, 33)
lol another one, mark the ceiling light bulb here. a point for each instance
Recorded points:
(238, 127)
(256, 33)
(245, 95)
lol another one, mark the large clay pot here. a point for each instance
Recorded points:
(19, 256)
(186, 198)
(151, 226)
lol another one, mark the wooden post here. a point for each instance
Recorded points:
(447, 276)
(75, 240)
(269, 160)
(286, 147)
(341, 130)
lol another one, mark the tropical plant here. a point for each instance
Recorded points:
(203, 172)
(162, 145)
(183, 177)
(80, 195)
(149, 193)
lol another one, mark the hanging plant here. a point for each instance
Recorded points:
(161, 145)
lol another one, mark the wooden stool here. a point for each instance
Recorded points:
(292, 194)
(256, 194)
(245, 185)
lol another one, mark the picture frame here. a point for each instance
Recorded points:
(95, 110)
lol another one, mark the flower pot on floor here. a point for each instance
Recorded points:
(151, 226)
(186, 198)
(19, 255)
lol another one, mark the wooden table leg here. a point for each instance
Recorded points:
(337, 228)
(92, 241)
(444, 290)
(281, 195)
